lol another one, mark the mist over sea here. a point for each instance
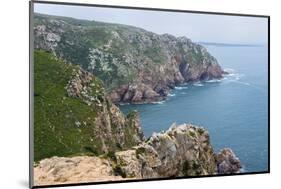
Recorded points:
(234, 110)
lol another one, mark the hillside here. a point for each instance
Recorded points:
(135, 65)
(72, 114)
(80, 135)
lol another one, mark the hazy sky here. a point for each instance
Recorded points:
(197, 27)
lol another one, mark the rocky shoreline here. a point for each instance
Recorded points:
(147, 89)
(135, 65)
(181, 151)
(89, 68)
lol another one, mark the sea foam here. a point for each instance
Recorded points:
(181, 88)
(198, 84)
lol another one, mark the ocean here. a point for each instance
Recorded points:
(234, 109)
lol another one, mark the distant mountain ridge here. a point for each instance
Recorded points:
(135, 65)
(230, 44)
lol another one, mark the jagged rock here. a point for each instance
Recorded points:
(79, 82)
(182, 150)
(137, 96)
(227, 162)
(178, 78)
(129, 158)
(110, 116)
(150, 94)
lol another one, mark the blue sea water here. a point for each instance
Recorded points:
(234, 109)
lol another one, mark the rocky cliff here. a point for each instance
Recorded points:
(73, 115)
(183, 150)
(81, 135)
(135, 65)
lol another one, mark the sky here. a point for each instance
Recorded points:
(197, 27)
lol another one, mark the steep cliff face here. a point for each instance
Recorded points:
(183, 150)
(135, 65)
(73, 115)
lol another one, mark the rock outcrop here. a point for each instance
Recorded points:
(112, 126)
(135, 65)
(76, 118)
(73, 115)
(183, 150)
(227, 162)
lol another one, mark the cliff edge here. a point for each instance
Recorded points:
(182, 150)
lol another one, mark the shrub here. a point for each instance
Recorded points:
(118, 171)
(91, 150)
(111, 155)
(191, 133)
(201, 131)
(140, 150)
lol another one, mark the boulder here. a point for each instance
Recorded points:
(150, 94)
(227, 162)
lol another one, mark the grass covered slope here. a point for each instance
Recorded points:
(70, 121)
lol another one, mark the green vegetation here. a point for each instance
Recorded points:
(131, 119)
(191, 133)
(201, 131)
(191, 168)
(111, 156)
(70, 52)
(139, 151)
(186, 167)
(155, 54)
(66, 125)
(114, 53)
(62, 125)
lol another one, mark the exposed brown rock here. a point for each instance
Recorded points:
(114, 129)
(182, 150)
(228, 162)
(79, 169)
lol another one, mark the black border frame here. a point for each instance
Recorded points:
(31, 12)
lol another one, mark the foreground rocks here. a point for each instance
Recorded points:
(183, 150)
(227, 162)
(61, 170)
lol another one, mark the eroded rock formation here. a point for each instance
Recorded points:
(183, 150)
